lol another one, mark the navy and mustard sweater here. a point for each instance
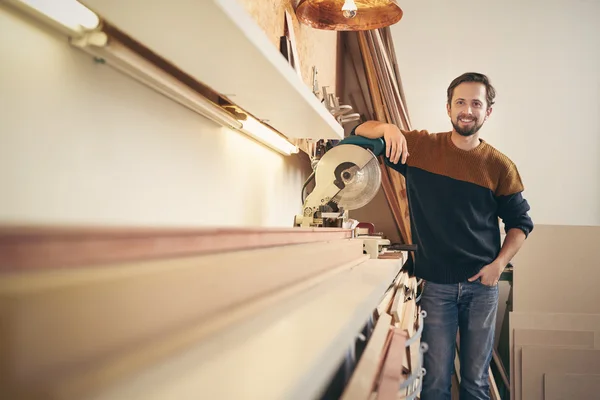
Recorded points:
(455, 199)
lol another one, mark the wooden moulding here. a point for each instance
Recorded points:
(290, 350)
(362, 382)
(45, 247)
(57, 321)
(392, 371)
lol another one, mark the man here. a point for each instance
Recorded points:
(458, 186)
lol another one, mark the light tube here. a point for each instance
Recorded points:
(82, 25)
(268, 136)
(70, 15)
(140, 69)
(130, 63)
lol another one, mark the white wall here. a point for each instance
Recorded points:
(82, 144)
(544, 59)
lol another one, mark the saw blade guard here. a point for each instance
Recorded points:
(360, 185)
(348, 175)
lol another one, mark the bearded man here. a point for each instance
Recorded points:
(458, 188)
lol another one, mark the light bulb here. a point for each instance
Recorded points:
(349, 9)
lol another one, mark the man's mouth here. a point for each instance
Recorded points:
(467, 120)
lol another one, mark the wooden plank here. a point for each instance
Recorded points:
(390, 75)
(89, 313)
(314, 46)
(393, 184)
(494, 393)
(538, 360)
(547, 338)
(397, 309)
(547, 321)
(391, 375)
(362, 381)
(455, 389)
(408, 325)
(540, 265)
(501, 369)
(562, 386)
(289, 351)
(31, 248)
(384, 305)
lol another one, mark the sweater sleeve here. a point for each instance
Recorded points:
(513, 208)
(412, 137)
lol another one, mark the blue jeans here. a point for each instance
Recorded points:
(470, 307)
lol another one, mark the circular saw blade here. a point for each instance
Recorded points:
(361, 185)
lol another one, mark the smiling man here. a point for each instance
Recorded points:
(459, 186)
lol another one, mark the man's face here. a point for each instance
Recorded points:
(468, 110)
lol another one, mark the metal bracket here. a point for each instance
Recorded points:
(93, 38)
(418, 374)
(417, 335)
(413, 395)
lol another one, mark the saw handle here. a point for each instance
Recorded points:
(404, 247)
(377, 146)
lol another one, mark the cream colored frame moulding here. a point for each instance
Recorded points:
(289, 351)
(118, 320)
(89, 313)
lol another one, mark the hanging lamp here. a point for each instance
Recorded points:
(348, 15)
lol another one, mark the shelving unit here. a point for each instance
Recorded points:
(220, 45)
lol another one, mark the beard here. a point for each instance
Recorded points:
(466, 131)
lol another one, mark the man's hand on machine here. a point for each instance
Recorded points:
(490, 274)
(395, 144)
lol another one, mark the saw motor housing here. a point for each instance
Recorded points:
(347, 177)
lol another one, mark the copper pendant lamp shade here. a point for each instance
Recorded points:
(348, 15)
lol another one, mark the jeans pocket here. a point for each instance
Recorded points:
(478, 281)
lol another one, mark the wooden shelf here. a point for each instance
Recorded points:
(220, 45)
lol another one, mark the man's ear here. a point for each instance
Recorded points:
(488, 112)
(448, 108)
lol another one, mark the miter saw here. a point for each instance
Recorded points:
(347, 177)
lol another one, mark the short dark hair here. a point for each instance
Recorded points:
(490, 92)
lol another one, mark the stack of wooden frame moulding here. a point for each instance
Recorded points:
(117, 312)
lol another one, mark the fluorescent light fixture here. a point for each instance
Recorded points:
(77, 21)
(130, 63)
(268, 136)
(137, 67)
(67, 15)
